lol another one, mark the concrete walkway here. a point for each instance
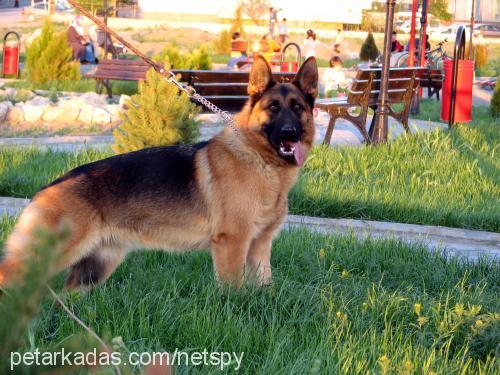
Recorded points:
(463, 243)
(344, 134)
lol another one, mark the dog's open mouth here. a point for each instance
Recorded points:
(289, 149)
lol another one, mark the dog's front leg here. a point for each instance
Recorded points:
(229, 254)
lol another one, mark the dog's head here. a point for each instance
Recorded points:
(281, 113)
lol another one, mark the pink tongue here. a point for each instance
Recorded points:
(298, 153)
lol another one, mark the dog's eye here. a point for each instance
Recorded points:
(274, 108)
(297, 108)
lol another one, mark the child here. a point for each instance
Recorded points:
(334, 79)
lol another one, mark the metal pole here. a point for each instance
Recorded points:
(106, 35)
(415, 102)
(423, 29)
(458, 54)
(472, 14)
(380, 127)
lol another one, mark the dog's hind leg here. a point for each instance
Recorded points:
(95, 267)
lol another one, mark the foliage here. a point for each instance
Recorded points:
(18, 96)
(481, 55)
(49, 58)
(254, 9)
(439, 9)
(222, 44)
(495, 100)
(237, 25)
(176, 58)
(158, 116)
(354, 306)
(369, 50)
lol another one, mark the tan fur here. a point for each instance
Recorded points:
(243, 186)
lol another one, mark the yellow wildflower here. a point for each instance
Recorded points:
(344, 274)
(364, 305)
(385, 364)
(322, 253)
(408, 367)
(417, 307)
(422, 320)
(459, 309)
(479, 323)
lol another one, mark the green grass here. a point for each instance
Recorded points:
(83, 85)
(331, 311)
(448, 178)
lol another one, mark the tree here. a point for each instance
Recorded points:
(369, 50)
(439, 9)
(495, 100)
(159, 115)
(254, 9)
(49, 58)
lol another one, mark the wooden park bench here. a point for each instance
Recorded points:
(226, 89)
(433, 80)
(364, 93)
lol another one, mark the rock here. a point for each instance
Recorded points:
(101, 117)
(4, 109)
(123, 100)
(52, 113)
(38, 101)
(33, 113)
(94, 99)
(71, 111)
(15, 115)
(115, 110)
(86, 114)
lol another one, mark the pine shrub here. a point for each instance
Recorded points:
(222, 45)
(157, 116)
(369, 50)
(495, 100)
(176, 58)
(49, 58)
(481, 55)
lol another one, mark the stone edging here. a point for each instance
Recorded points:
(464, 243)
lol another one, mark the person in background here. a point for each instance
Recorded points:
(273, 19)
(238, 51)
(339, 39)
(395, 45)
(82, 50)
(282, 31)
(310, 44)
(334, 80)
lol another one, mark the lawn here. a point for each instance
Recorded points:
(444, 177)
(337, 305)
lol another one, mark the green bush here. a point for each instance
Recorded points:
(369, 50)
(223, 43)
(49, 58)
(158, 116)
(495, 100)
(181, 59)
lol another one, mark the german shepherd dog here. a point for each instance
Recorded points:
(229, 194)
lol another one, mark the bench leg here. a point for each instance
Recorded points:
(107, 84)
(329, 130)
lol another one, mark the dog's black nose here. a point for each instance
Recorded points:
(288, 131)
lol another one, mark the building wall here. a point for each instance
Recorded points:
(486, 11)
(340, 11)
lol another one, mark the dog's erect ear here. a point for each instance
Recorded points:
(307, 78)
(261, 77)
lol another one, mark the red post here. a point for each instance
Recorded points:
(411, 49)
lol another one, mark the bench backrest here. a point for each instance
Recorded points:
(366, 86)
(226, 89)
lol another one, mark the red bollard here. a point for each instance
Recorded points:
(463, 98)
(10, 61)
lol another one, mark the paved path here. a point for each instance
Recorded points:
(345, 134)
(463, 243)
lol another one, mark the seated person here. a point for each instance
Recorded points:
(395, 45)
(270, 49)
(82, 50)
(238, 51)
(334, 79)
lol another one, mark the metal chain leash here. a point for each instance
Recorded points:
(168, 75)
